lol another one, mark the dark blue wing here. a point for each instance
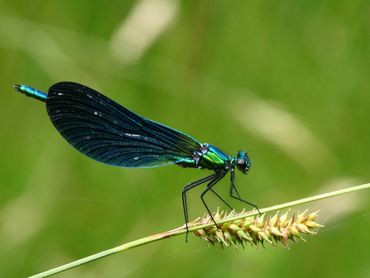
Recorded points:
(112, 134)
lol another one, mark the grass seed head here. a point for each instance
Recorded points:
(256, 230)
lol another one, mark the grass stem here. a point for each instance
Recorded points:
(182, 230)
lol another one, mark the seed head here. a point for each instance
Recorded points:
(256, 230)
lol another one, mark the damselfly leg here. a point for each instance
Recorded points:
(237, 196)
(212, 179)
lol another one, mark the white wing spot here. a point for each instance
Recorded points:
(132, 135)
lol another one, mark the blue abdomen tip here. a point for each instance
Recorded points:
(31, 92)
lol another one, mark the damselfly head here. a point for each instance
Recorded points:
(243, 163)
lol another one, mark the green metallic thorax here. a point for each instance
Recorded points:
(212, 160)
(209, 157)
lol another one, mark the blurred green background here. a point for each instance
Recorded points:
(288, 81)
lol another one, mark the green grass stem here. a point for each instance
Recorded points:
(181, 230)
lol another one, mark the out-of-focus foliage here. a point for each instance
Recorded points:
(288, 81)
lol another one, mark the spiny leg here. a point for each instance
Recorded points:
(222, 199)
(232, 185)
(212, 183)
(237, 197)
(184, 199)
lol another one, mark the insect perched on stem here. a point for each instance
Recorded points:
(110, 133)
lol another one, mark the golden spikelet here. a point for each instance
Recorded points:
(256, 230)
